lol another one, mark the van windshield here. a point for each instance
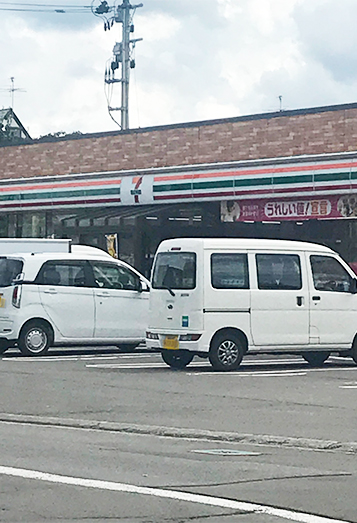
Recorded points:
(9, 269)
(174, 270)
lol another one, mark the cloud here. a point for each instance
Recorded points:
(328, 36)
(198, 60)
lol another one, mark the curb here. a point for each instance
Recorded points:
(194, 434)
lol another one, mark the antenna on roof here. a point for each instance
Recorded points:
(12, 90)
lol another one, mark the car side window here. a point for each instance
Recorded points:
(279, 271)
(63, 273)
(329, 275)
(112, 276)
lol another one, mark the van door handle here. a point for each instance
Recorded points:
(316, 298)
(50, 291)
(299, 300)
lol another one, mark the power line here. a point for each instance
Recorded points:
(44, 8)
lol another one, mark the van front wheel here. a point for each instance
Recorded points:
(226, 352)
(34, 339)
(177, 359)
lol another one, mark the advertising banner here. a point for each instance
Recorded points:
(290, 209)
(112, 244)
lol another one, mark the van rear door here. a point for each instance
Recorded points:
(176, 299)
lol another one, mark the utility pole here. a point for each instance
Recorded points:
(122, 53)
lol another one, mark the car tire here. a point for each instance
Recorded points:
(226, 351)
(177, 359)
(127, 347)
(35, 339)
(353, 352)
(316, 359)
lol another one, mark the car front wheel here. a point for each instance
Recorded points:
(316, 359)
(127, 347)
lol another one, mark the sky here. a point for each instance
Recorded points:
(198, 60)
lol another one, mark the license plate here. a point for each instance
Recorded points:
(171, 343)
(2, 301)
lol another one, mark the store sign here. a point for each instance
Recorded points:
(284, 209)
(136, 190)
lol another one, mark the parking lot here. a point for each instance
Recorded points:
(94, 434)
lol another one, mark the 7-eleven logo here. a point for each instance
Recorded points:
(136, 192)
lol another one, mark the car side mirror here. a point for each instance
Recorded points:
(18, 279)
(353, 286)
(143, 286)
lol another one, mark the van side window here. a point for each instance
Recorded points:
(229, 271)
(112, 276)
(65, 274)
(279, 271)
(329, 275)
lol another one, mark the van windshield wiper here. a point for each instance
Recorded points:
(170, 290)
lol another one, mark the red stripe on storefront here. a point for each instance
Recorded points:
(55, 203)
(271, 171)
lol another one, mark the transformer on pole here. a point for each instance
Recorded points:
(122, 59)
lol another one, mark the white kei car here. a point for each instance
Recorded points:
(81, 298)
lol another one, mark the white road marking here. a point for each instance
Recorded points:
(72, 357)
(202, 499)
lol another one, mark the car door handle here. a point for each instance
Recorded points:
(316, 298)
(103, 293)
(299, 300)
(50, 291)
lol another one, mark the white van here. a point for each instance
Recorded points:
(220, 298)
(80, 298)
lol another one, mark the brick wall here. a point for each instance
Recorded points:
(289, 133)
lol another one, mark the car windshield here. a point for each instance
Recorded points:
(174, 270)
(9, 269)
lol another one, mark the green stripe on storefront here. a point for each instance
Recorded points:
(59, 194)
(255, 182)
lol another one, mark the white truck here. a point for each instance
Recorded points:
(37, 245)
(17, 245)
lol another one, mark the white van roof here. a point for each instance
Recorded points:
(244, 244)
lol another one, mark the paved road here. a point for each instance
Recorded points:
(97, 436)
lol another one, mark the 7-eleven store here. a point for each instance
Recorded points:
(312, 198)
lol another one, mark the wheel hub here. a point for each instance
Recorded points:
(35, 340)
(228, 352)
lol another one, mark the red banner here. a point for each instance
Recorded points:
(288, 209)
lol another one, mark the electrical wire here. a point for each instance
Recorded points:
(108, 93)
(43, 8)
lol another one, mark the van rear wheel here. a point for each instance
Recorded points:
(226, 352)
(316, 359)
(35, 339)
(177, 359)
